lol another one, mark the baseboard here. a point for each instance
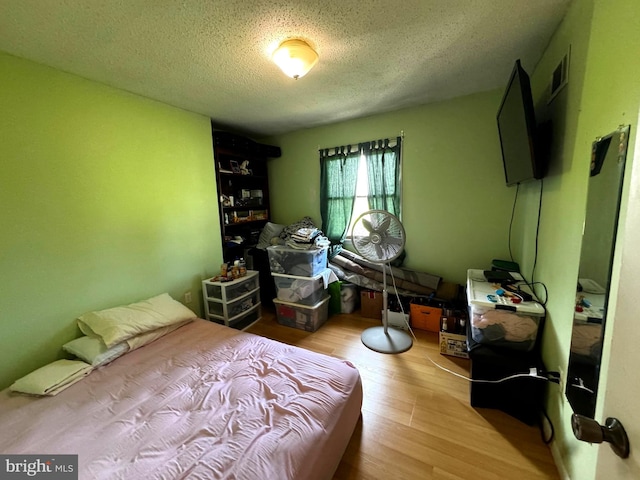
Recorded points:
(557, 458)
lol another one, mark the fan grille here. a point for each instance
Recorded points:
(378, 236)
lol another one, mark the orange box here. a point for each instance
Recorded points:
(424, 317)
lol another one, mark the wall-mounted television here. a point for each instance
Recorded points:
(518, 130)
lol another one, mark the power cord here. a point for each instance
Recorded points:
(552, 433)
(513, 212)
(553, 377)
(395, 290)
(534, 373)
(535, 257)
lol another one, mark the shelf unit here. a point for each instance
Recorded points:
(243, 190)
(235, 303)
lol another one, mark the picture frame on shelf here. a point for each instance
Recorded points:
(235, 168)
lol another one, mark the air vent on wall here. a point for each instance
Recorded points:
(560, 76)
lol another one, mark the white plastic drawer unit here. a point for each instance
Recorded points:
(497, 320)
(228, 291)
(234, 304)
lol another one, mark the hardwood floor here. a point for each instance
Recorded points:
(416, 419)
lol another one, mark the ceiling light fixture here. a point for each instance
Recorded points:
(295, 58)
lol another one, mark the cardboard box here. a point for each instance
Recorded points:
(424, 317)
(448, 290)
(453, 344)
(394, 319)
(371, 304)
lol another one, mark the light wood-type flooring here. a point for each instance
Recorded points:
(416, 419)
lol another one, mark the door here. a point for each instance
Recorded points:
(619, 397)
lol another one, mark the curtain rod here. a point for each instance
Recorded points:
(392, 140)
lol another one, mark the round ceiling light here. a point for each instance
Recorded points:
(295, 58)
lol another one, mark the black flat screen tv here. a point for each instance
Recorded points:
(517, 129)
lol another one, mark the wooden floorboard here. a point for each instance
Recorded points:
(416, 419)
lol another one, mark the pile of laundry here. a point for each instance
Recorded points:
(303, 238)
(303, 235)
(306, 238)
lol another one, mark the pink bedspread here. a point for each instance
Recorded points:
(203, 402)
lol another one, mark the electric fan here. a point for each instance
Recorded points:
(378, 236)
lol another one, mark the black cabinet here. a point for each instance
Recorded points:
(502, 381)
(243, 190)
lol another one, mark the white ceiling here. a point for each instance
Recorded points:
(213, 56)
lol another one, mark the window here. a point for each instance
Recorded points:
(353, 181)
(361, 202)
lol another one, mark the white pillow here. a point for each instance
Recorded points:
(269, 231)
(115, 325)
(148, 337)
(53, 378)
(93, 350)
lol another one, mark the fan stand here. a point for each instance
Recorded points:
(383, 339)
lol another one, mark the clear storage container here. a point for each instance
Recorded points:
(497, 320)
(302, 290)
(234, 307)
(249, 317)
(302, 263)
(303, 317)
(349, 298)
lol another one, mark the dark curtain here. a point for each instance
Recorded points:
(338, 173)
(383, 172)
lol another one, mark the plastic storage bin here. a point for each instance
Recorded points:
(349, 297)
(235, 307)
(501, 323)
(248, 318)
(233, 290)
(302, 263)
(303, 317)
(302, 290)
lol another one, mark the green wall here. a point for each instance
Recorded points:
(456, 206)
(107, 198)
(603, 92)
(562, 215)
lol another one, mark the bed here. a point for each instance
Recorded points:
(204, 401)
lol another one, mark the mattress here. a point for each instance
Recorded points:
(204, 401)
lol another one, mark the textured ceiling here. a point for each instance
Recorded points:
(213, 56)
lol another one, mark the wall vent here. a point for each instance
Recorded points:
(560, 76)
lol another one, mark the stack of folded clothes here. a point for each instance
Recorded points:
(306, 238)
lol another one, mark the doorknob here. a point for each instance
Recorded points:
(588, 430)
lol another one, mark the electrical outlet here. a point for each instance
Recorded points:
(187, 297)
